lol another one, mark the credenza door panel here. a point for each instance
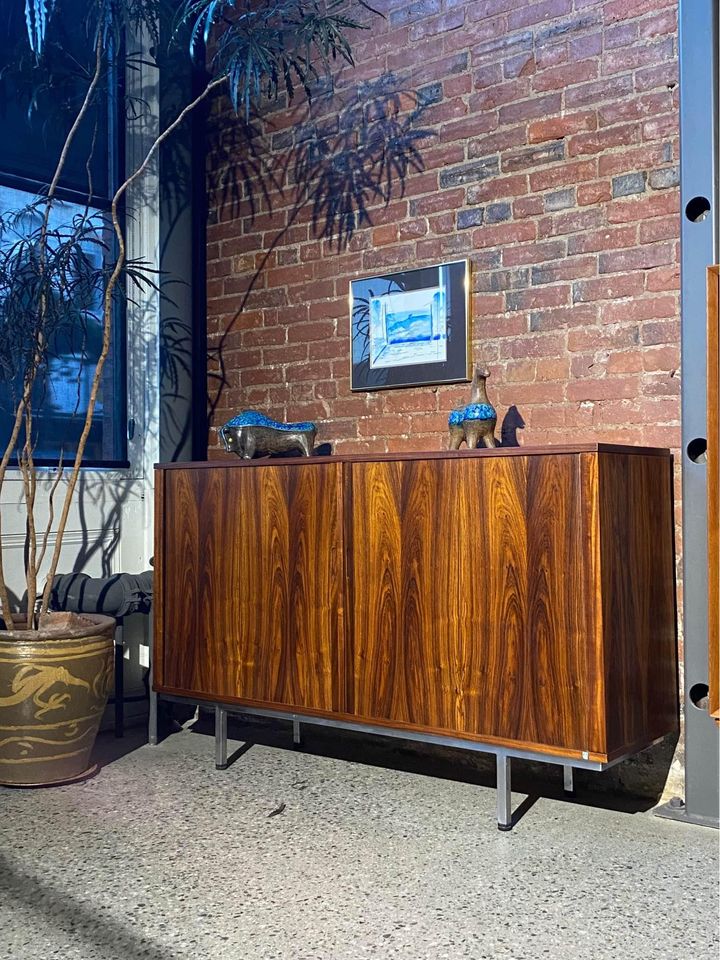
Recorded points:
(470, 611)
(256, 555)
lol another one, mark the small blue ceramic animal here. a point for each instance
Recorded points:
(251, 432)
(475, 422)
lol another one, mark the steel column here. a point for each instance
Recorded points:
(699, 249)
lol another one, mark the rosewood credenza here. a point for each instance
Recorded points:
(518, 601)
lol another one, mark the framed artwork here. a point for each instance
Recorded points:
(411, 328)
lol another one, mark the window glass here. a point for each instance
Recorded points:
(35, 121)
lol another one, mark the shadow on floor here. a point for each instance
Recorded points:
(90, 930)
(535, 779)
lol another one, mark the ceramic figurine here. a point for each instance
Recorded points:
(474, 423)
(251, 432)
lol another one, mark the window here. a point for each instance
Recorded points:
(33, 132)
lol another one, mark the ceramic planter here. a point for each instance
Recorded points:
(54, 686)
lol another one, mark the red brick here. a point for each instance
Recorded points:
(526, 15)
(606, 388)
(664, 278)
(660, 228)
(657, 205)
(622, 10)
(592, 193)
(385, 234)
(497, 188)
(556, 128)
(608, 288)
(639, 55)
(501, 233)
(606, 238)
(567, 173)
(527, 207)
(527, 84)
(639, 108)
(602, 140)
(558, 78)
(644, 308)
(514, 256)
(534, 106)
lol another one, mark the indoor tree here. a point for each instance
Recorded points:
(59, 280)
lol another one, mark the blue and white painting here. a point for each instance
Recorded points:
(409, 327)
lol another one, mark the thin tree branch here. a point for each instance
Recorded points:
(51, 512)
(27, 469)
(107, 329)
(37, 359)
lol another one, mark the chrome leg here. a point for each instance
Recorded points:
(152, 715)
(152, 699)
(220, 738)
(504, 803)
(297, 736)
(568, 782)
(119, 681)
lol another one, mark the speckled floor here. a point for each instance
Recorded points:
(162, 857)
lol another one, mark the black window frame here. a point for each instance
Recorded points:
(116, 171)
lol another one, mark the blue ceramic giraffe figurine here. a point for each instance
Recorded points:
(475, 422)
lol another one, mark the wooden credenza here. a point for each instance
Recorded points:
(517, 600)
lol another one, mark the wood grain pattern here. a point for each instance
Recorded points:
(233, 462)
(468, 607)
(158, 606)
(713, 488)
(524, 600)
(638, 599)
(255, 560)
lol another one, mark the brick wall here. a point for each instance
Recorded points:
(552, 165)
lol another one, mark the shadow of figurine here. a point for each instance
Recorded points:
(512, 422)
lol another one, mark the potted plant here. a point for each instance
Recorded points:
(61, 277)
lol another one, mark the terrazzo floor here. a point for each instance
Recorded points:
(162, 857)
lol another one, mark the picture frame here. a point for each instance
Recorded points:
(411, 328)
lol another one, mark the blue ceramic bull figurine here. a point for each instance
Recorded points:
(251, 432)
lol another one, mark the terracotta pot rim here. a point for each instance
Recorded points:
(99, 624)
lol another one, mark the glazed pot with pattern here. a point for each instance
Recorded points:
(54, 686)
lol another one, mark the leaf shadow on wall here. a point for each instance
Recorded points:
(351, 156)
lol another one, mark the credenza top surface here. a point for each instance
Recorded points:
(233, 461)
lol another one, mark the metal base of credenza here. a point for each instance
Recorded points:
(504, 755)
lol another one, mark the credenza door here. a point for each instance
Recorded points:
(472, 608)
(252, 570)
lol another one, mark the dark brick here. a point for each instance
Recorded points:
(504, 43)
(469, 172)
(545, 274)
(497, 212)
(539, 320)
(559, 200)
(534, 156)
(663, 179)
(470, 218)
(628, 184)
(414, 11)
(568, 26)
(432, 93)
(281, 141)
(515, 279)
